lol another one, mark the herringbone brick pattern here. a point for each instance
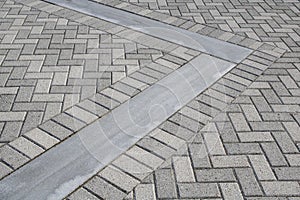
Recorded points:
(250, 151)
(49, 64)
(275, 22)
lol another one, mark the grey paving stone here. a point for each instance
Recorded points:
(186, 122)
(279, 188)
(218, 104)
(227, 132)
(251, 113)
(32, 120)
(55, 129)
(285, 108)
(93, 107)
(293, 159)
(285, 143)
(32, 106)
(231, 191)
(47, 97)
(276, 116)
(268, 198)
(43, 86)
(104, 101)
(143, 78)
(215, 175)
(266, 126)
(152, 73)
(42, 138)
(17, 73)
(12, 116)
(229, 161)
(290, 100)
(52, 109)
(177, 130)
(82, 193)
(194, 114)
(206, 109)
(183, 169)
(274, 154)
(81, 114)
(167, 138)
(12, 157)
(239, 122)
(11, 131)
(145, 191)
(58, 89)
(199, 156)
(280, 89)
(6, 102)
(255, 136)
(69, 122)
(293, 129)
(164, 69)
(26, 147)
(248, 76)
(165, 184)
(104, 189)
(242, 148)
(261, 167)
(119, 178)
(198, 190)
(213, 143)
(145, 157)
(287, 173)
(132, 167)
(156, 147)
(236, 82)
(261, 104)
(125, 88)
(114, 94)
(288, 81)
(4, 170)
(248, 182)
(1, 126)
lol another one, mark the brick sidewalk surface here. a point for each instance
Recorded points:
(256, 142)
(248, 149)
(49, 64)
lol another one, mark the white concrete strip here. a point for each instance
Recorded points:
(218, 48)
(59, 171)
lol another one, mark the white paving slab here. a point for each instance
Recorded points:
(59, 171)
(158, 29)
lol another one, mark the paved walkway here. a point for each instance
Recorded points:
(50, 63)
(257, 140)
(240, 139)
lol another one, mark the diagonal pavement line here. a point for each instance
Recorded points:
(218, 48)
(59, 171)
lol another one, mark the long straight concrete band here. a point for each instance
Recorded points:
(59, 171)
(220, 49)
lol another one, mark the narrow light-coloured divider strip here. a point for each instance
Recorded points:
(59, 171)
(212, 46)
